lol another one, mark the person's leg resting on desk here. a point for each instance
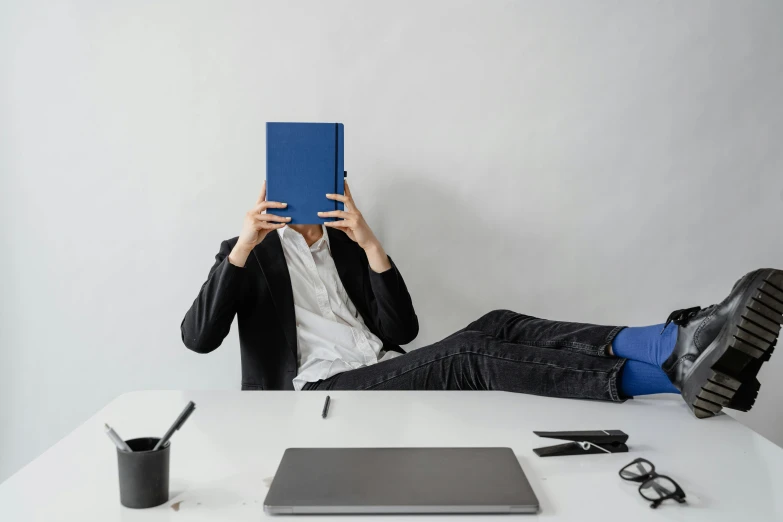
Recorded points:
(507, 351)
(643, 347)
(711, 355)
(475, 360)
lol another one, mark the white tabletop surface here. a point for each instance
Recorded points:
(225, 456)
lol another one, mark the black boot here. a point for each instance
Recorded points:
(720, 349)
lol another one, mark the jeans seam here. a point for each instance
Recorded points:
(584, 348)
(612, 334)
(382, 381)
(613, 393)
(570, 344)
(531, 342)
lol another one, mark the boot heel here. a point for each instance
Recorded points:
(745, 397)
(717, 393)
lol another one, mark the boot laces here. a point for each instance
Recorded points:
(681, 317)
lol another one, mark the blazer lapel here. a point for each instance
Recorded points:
(270, 257)
(349, 269)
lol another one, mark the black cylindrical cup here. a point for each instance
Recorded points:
(144, 474)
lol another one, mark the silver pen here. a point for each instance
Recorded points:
(116, 439)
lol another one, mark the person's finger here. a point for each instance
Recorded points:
(267, 225)
(272, 217)
(260, 207)
(338, 197)
(344, 223)
(262, 196)
(336, 213)
(348, 190)
(346, 200)
(338, 224)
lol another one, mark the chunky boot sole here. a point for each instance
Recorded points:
(746, 394)
(725, 375)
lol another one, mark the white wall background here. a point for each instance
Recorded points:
(587, 160)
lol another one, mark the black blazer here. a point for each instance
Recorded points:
(260, 295)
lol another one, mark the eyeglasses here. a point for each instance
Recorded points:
(655, 488)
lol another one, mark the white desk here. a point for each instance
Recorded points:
(234, 441)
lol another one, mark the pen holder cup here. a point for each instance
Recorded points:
(144, 474)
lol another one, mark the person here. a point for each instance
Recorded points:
(323, 307)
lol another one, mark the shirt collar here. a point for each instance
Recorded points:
(286, 230)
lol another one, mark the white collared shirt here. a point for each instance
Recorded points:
(331, 335)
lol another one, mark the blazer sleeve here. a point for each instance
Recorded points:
(392, 307)
(209, 319)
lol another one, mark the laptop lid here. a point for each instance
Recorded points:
(400, 480)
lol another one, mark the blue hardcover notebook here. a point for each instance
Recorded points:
(304, 162)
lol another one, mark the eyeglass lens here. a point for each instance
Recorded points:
(658, 488)
(636, 470)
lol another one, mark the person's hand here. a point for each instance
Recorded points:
(256, 225)
(352, 222)
(355, 227)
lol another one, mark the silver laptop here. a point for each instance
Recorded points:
(400, 480)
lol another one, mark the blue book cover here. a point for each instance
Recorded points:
(304, 162)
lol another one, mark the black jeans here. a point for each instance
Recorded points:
(503, 351)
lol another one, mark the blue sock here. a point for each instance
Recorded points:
(646, 344)
(638, 378)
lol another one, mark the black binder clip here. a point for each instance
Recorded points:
(584, 442)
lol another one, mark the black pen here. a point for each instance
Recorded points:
(326, 407)
(177, 425)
